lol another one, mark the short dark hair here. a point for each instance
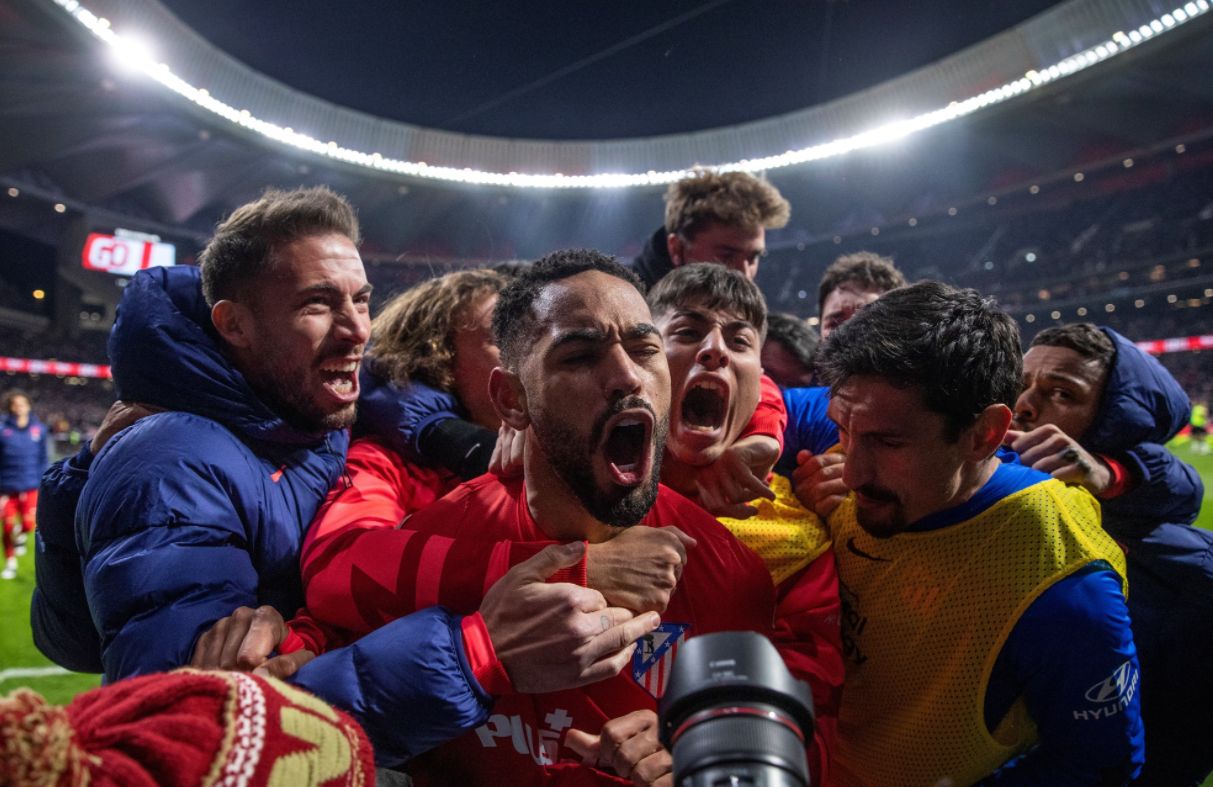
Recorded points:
(713, 286)
(245, 243)
(514, 317)
(1081, 337)
(794, 335)
(867, 269)
(959, 348)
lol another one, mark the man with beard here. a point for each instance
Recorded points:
(985, 630)
(717, 217)
(585, 380)
(200, 510)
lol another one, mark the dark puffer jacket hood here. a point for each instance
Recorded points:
(1142, 402)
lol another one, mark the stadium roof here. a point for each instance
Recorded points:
(75, 130)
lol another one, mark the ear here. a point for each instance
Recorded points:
(986, 434)
(234, 323)
(509, 398)
(676, 248)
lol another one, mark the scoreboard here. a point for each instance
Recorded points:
(124, 252)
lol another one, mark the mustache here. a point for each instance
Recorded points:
(614, 409)
(877, 493)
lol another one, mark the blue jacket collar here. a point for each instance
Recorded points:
(165, 352)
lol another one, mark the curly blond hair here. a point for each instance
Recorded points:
(734, 198)
(413, 338)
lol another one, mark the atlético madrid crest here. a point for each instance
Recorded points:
(653, 660)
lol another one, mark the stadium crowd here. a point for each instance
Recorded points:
(480, 519)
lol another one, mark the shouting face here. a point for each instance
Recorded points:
(303, 330)
(597, 394)
(715, 369)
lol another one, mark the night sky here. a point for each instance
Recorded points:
(568, 70)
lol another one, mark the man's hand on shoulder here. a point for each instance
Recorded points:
(120, 415)
(1050, 450)
(629, 746)
(557, 636)
(817, 482)
(639, 568)
(244, 640)
(509, 454)
(726, 486)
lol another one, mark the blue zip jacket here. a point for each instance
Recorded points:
(1170, 564)
(189, 514)
(22, 454)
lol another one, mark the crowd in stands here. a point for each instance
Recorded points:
(487, 539)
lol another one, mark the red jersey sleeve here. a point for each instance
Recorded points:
(304, 632)
(362, 568)
(808, 634)
(771, 416)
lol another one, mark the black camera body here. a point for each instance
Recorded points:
(734, 715)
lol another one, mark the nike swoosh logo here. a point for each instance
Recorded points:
(854, 550)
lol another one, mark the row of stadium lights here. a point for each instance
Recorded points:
(1139, 303)
(1083, 311)
(137, 56)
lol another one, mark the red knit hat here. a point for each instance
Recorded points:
(227, 729)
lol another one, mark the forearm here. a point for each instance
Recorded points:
(460, 446)
(408, 684)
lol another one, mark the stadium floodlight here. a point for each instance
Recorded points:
(138, 56)
(132, 53)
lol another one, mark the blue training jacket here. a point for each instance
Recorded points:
(189, 514)
(1170, 564)
(22, 454)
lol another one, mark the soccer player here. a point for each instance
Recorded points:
(985, 629)
(1096, 411)
(585, 380)
(23, 440)
(439, 334)
(710, 217)
(198, 511)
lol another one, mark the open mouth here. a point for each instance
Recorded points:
(704, 406)
(341, 379)
(627, 447)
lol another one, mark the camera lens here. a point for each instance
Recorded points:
(734, 715)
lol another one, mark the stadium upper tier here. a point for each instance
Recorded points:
(1055, 45)
(115, 147)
